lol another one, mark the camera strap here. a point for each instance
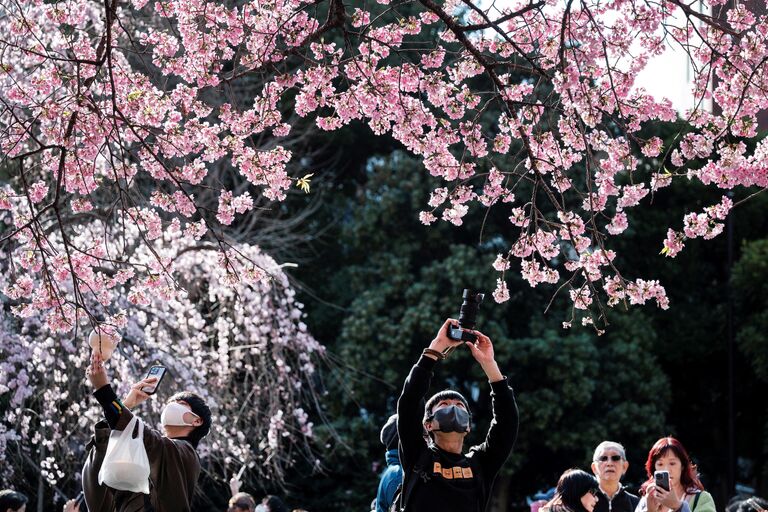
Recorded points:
(448, 351)
(431, 352)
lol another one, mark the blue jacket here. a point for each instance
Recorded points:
(390, 479)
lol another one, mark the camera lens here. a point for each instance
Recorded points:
(468, 311)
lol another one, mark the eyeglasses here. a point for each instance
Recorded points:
(604, 458)
(594, 492)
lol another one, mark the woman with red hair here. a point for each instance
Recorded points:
(686, 492)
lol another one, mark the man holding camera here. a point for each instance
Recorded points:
(174, 463)
(438, 476)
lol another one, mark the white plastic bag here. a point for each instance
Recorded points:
(126, 466)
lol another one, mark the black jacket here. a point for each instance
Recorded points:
(622, 501)
(451, 482)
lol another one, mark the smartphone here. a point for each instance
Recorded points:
(79, 499)
(154, 371)
(662, 479)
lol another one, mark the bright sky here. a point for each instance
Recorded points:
(666, 76)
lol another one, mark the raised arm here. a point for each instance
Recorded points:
(502, 433)
(410, 406)
(118, 412)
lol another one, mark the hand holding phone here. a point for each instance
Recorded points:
(157, 372)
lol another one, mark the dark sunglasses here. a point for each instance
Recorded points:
(614, 458)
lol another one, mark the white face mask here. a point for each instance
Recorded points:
(173, 415)
(261, 508)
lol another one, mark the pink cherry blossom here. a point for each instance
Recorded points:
(201, 130)
(501, 293)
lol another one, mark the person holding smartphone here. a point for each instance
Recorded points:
(673, 483)
(609, 464)
(174, 463)
(437, 474)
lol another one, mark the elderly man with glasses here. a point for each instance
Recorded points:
(609, 464)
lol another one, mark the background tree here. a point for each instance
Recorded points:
(243, 346)
(132, 115)
(117, 111)
(397, 280)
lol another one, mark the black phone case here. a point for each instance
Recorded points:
(157, 385)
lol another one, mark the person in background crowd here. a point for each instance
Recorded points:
(686, 492)
(241, 502)
(609, 464)
(12, 501)
(392, 476)
(272, 503)
(576, 491)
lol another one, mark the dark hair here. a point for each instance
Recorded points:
(688, 475)
(242, 500)
(11, 499)
(199, 407)
(572, 485)
(388, 436)
(446, 394)
(275, 504)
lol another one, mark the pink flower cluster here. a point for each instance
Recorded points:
(99, 132)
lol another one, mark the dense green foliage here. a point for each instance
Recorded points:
(380, 284)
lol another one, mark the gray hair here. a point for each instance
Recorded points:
(609, 445)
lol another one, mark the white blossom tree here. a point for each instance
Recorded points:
(241, 345)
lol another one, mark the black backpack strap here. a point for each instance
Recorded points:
(419, 472)
(696, 501)
(147, 501)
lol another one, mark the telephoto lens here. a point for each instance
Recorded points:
(468, 311)
(467, 316)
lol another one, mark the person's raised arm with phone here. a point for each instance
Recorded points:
(438, 475)
(172, 454)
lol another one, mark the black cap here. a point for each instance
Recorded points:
(389, 437)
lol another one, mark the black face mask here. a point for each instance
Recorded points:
(451, 419)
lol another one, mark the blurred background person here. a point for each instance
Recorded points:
(392, 476)
(12, 501)
(576, 491)
(272, 503)
(241, 502)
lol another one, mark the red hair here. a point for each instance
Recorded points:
(689, 477)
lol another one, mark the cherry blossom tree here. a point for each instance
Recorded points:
(243, 346)
(118, 111)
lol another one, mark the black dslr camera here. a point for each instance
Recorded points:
(467, 316)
